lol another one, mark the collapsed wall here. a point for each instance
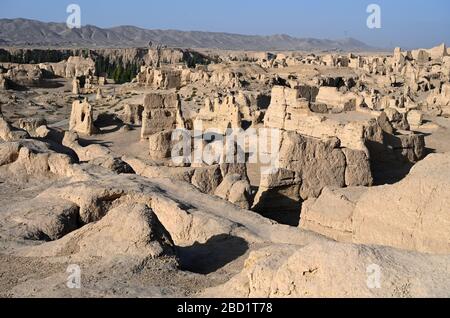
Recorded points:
(316, 152)
(163, 78)
(233, 111)
(170, 76)
(161, 112)
(220, 115)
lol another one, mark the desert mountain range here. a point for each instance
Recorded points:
(24, 32)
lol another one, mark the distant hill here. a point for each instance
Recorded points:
(24, 32)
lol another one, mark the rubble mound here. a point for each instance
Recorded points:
(130, 229)
(412, 214)
(336, 270)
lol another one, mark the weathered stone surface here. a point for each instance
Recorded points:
(99, 94)
(240, 194)
(75, 86)
(9, 151)
(77, 66)
(207, 179)
(166, 77)
(157, 56)
(30, 157)
(331, 214)
(160, 145)
(44, 218)
(81, 118)
(286, 109)
(396, 119)
(161, 112)
(318, 163)
(223, 190)
(87, 153)
(332, 269)
(97, 192)
(132, 114)
(160, 78)
(19, 76)
(236, 189)
(219, 116)
(129, 230)
(117, 204)
(150, 170)
(416, 217)
(410, 147)
(389, 146)
(42, 132)
(438, 52)
(337, 101)
(393, 115)
(350, 134)
(358, 170)
(112, 163)
(96, 154)
(409, 215)
(306, 166)
(314, 153)
(415, 118)
(3, 83)
(31, 125)
(9, 133)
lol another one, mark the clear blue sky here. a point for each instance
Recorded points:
(408, 23)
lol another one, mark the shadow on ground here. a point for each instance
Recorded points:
(213, 255)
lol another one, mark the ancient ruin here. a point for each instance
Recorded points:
(81, 118)
(175, 172)
(161, 112)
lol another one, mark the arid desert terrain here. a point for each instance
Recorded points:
(339, 186)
